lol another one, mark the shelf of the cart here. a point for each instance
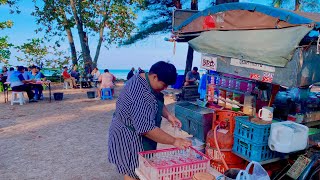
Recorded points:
(301, 70)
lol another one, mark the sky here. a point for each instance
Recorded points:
(141, 54)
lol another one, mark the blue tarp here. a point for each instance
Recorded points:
(282, 14)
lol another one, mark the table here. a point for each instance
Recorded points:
(6, 91)
(47, 84)
(85, 84)
(311, 123)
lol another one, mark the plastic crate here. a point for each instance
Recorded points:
(179, 82)
(251, 151)
(172, 164)
(256, 133)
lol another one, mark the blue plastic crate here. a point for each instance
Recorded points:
(252, 151)
(179, 82)
(255, 133)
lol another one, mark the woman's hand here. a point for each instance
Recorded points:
(182, 143)
(175, 122)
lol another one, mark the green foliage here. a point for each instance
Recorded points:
(159, 19)
(4, 44)
(4, 49)
(156, 27)
(33, 51)
(310, 5)
(305, 5)
(57, 58)
(111, 20)
(6, 24)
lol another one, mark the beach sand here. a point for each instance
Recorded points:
(60, 140)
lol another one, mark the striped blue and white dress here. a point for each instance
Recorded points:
(136, 107)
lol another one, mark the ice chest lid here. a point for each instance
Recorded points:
(195, 108)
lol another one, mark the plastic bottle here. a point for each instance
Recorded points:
(237, 84)
(249, 87)
(231, 83)
(217, 80)
(223, 82)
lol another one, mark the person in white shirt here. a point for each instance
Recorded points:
(106, 80)
(95, 76)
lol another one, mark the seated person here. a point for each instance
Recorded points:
(36, 75)
(11, 70)
(192, 77)
(95, 76)
(41, 75)
(68, 78)
(106, 80)
(74, 73)
(26, 73)
(4, 74)
(130, 74)
(18, 83)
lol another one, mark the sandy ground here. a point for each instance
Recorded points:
(59, 140)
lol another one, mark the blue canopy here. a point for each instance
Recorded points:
(282, 14)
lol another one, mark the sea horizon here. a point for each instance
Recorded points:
(118, 73)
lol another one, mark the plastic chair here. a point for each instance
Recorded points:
(106, 93)
(1, 87)
(65, 85)
(17, 97)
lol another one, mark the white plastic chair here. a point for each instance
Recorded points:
(65, 85)
(17, 97)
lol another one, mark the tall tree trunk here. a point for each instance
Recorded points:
(189, 60)
(82, 36)
(297, 5)
(95, 60)
(72, 47)
(70, 37)
(102, 24)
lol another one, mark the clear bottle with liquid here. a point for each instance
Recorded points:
(217, 80)
(231, 83)
(249, 87)
(248, 105)
(237, 84)
(223, 81)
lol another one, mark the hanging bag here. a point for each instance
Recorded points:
(258, 172)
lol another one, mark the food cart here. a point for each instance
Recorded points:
(261, 60)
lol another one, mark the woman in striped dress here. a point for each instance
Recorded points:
(136, 122)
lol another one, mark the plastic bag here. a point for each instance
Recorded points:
(258, 173)
(243, 175)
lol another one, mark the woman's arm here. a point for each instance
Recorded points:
(162, 137)
(170, 117)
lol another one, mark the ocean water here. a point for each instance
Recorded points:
(118, 73)
(122, 73)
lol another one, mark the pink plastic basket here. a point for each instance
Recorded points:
(172, 164)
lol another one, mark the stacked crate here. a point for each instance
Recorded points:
(195, 120)
(251, 140)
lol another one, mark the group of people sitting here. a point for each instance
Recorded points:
(25, 79)
(106, 80)
(132, 72)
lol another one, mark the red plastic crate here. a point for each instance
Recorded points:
(172, 164)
